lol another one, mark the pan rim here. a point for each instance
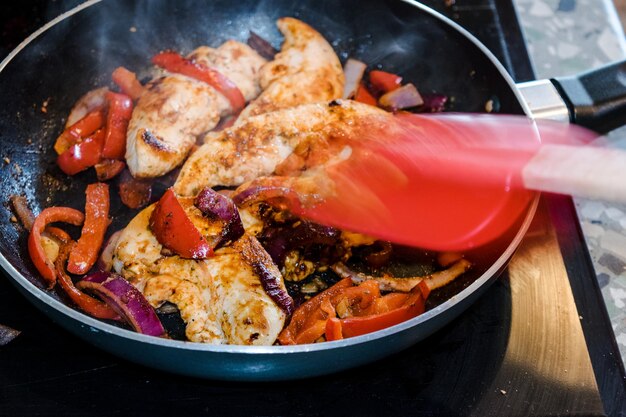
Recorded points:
(100, 326)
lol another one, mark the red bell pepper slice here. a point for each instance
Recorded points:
(384, 81)
(174, 230)
(88, 304)
(413, 307)
(85, 253)
(36, 251)
(82, 155)
(109, 168)
(174, 62)
(120, 111)
(333, 329)
(127, 82)
(81, 129)
(364, 96)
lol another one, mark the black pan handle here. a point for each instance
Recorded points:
(596, 99)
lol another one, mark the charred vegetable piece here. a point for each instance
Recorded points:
(127, 82)
(134, 192)
(109, 168)
(85, 253)
(175, 231)
(120, 111)
(36, 251)
(126, 300)
(263, 47)
(173, 62)
(81, 129)
(384, 81)
(88, 304)
(217, 205)
(82, 155)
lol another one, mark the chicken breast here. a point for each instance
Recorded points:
(220, 299)
(307, 70)
(174, 109)
(258, 145)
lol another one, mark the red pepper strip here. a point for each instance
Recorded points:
(308, 314)
(333, 329)
(82, 155)
(174, 230)
(364, 96)
(384, 81)
(81, 129)
(413, 306)
(35, 250)
(173, 62)
(85, 253)
(120, 111)
(355, 300)
(86, 303)
(109, 168)
(127, 82)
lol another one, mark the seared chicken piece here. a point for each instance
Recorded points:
(258, 145)
(174, 109)
(306, 70)
(221, 299)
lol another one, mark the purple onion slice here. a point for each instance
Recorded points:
(126, 300)
(263, 47)
(216, 205)
(105, 261)
(433, 103)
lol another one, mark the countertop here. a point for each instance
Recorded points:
(567, 37)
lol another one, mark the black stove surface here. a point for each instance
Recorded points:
(47, 371)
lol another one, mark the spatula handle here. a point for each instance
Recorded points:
(582, 171)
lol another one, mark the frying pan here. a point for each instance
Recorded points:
(78, 51)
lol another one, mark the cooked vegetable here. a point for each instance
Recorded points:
(353, 72)
(364, 96)
(134, 192)
(400, 98)
(118, 116)
(82, 155)
(126, 300)
(217, 205)
(175, 231)
(35, 249)
(81, 129)
(105, 261)
(127, 82)
(384, 81)
(109, 168)
(85, 253)
(263, 47)
(89, 305)
(434, 103)
(91, 101)
(174, 62)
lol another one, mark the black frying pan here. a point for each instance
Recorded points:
(78, 52)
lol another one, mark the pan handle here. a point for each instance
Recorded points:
(596, 99)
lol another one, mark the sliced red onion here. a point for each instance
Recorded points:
(216, 205)
(272, 286)
(278, 241)
(434, 103)
(263, 47)
(88, 102)
(126, 300)
(380, 257)
(105, 262)
(353, 72)
(401, 98)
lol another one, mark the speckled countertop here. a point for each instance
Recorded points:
(566, 37)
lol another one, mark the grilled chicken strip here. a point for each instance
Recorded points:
(274, 142)
(306, 70)
(175, 109)
(221, 298)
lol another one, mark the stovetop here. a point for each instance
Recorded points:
(537, 343)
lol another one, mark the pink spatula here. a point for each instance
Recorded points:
(449, 182)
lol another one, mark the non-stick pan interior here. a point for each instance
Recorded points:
(40, 83)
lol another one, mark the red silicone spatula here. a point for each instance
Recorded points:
(451, 181)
